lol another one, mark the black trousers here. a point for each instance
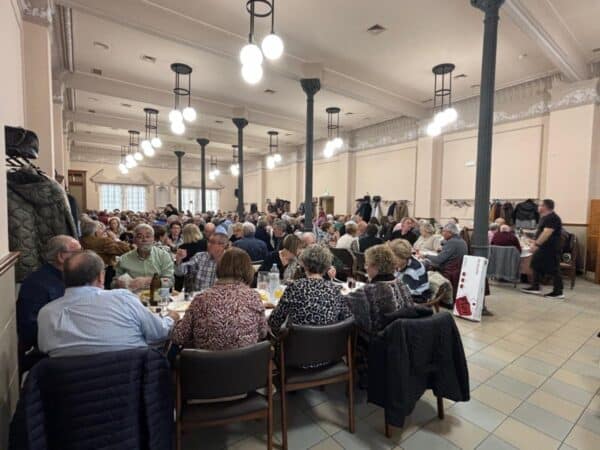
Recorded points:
(556, 280)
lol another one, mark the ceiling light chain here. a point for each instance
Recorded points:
(123, 163)
(150, 143)
(334, 141)
(176, 116)
(274, 155)
(214, 169)
(234, 169)
(251, 55)
(446, 114)
(134, 145)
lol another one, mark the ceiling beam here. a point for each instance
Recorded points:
(218, 138)
(164, 99)
(543, 24)
(194, 33)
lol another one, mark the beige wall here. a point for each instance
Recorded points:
(11, 113)
(152, 178)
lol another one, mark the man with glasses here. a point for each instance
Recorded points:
(39, 289)
(136, 268)
(202, 267)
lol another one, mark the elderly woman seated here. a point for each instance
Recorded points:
(228, 315)
(311, 300)
(285, 258)
(411, 271)
(428, 241)
(384, 293)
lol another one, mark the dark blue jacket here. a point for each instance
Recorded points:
(117, 400)
(262, 235)
(256, 249)
(38, 289)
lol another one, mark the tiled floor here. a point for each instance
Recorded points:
(535, 384)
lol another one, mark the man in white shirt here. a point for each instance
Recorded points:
(349, 237)
(88, 319)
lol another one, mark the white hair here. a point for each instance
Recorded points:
(249, 229)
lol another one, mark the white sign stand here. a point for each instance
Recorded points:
(470, 294)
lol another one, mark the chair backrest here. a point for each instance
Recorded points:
(305, 345)
(207, 374)
(345, 256)
(504, 262)
(360, 261)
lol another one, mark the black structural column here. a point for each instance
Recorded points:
(240, 123)
(203, 143)
(486, 120)
(310, 86)
(179, 155)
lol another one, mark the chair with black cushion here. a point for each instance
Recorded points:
(348, 261)
(359, 270)
(568, 260)
(303, 350)
(219, 387)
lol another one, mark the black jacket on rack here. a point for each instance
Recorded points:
(526, 210)
(365, 209)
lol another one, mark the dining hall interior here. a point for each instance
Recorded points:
(308, 224)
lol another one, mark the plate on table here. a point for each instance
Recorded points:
(180, 306)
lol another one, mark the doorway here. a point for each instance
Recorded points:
(327, 203)
(77, 187)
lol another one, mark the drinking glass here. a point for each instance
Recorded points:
(263, 281)
(351, 282)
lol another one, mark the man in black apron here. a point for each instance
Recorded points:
(547, 251)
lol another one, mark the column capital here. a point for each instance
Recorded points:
(310, 86)
(179, 154)
(487, 6)
(203, 142)
(239, 122)
(37, 11)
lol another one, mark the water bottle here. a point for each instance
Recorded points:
(273, 280)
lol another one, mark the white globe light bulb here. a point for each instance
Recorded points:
(451, 115)
(338, 143)
(251, 55)
(434, 129)
(217, 172)
(175, 116)
(177, 127)
(123, 168)
(156, 142)
(277, 157)
(138, 156)
(270, 162)
(129, 158)
(189, 114)
(146, 146)
(133, 163)
(272, 46)
(252, 73)
(440, 119)
(211, 176)
(149, 151)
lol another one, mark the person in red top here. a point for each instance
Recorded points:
(506, 238)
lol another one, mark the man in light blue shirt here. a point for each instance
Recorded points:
(88, 319)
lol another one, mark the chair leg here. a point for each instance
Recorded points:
(388, 432)
(283, 395)
(351, 403)
(178, 434)
(269, 428)
(440, 407)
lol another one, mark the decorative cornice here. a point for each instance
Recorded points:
(574, 94)
(37, 11)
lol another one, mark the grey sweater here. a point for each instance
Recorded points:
(453, 248)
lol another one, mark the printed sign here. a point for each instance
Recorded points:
(471, 288)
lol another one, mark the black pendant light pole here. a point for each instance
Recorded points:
(310, 86)
(491, 9)
(179, 155)
(203, 143)
(240, 123)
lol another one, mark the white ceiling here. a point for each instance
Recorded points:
(374, 77)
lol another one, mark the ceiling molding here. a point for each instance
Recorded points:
(224, 44)
(549, 32)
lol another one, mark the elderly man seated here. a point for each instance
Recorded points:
(449, 260)
(202, 267)
(506, 238)
(89, 320)
(256, 249)
(136, 268)
(39, 289)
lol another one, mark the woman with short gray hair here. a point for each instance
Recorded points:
(428, 241)
(311, 300)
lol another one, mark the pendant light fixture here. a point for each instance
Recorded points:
(444, 113)
(334, 141)
(214, 169)
(134, 145)
(130, 161)
(251, 55)
(177, 116)
(150, 143)
(274, 155)
(122, 161)
(234, 169)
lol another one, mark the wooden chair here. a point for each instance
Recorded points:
(359, 270)
(305, 345)
(569, 268)
(212, 375)
(348, 261)
(435, 301)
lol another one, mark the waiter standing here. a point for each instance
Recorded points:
(547, 251)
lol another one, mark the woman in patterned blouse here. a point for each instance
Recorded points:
(311, 300)
(227, 316)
